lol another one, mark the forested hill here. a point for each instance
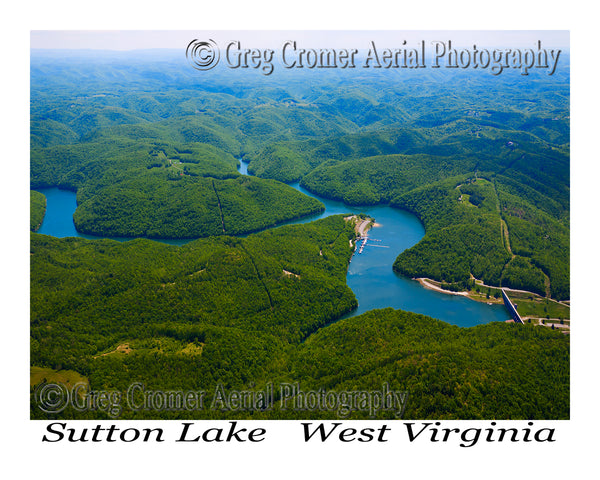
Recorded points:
(243, 313)
(151, 147)
(37, 210)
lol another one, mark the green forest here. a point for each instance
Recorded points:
(188, 207)
(152, 153)
(37, 209)
(223, 311)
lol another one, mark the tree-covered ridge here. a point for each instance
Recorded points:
(244, 312)
(474, 230)
(88, 296)
(489, 371)
(459, 133)
(90, 166)
(291, 160)
(184, 206)
(37, 210)
(461, 239)
(536, 234)
(379, 179)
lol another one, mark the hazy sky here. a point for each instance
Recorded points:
(140, 39)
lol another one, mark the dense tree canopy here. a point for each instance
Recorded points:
(152, 151)
(37, 210)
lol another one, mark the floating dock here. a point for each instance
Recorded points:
(364, 244)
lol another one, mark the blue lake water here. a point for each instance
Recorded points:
(58, 221)
(370, 274)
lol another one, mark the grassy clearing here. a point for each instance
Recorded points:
(68, 378)
(123, 348)
(192, 349)
(531, 305)
(486, 294)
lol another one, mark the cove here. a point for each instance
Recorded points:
(370, 275)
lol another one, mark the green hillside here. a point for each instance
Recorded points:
(37, 210)
(152, 150)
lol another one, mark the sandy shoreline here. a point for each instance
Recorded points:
(430, 286)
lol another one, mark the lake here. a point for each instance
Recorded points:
(370, 274)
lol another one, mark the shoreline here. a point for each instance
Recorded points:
(537, 320)
(425, 283)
